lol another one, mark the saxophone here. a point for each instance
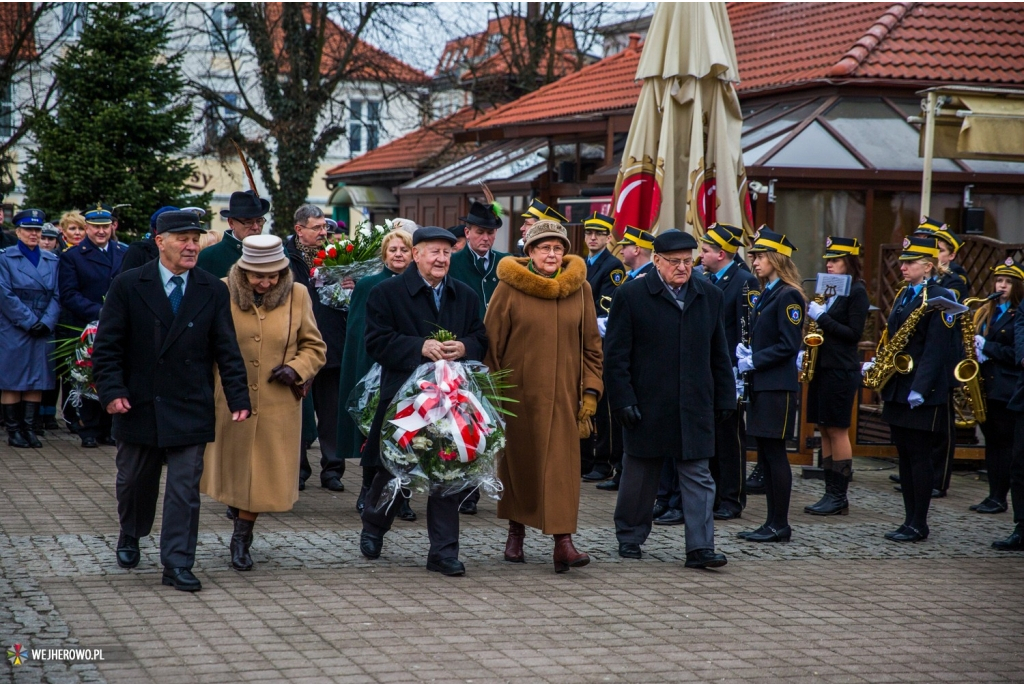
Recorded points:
(812, 341)
(969, 398)
(889, 355)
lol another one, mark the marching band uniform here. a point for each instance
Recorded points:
(1015, 541)
(537, 211)
(916, 403)
(775, 340)
(994, 345)
(833, 390)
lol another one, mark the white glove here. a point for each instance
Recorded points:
(799, 359)
(979, 346)
(865, 367)
(915, 399)
(602, 325)
(814, 310)
(739, 383)
(745, 364)
(743, 351)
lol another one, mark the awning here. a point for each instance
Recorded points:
(374, 197)
(978, 123)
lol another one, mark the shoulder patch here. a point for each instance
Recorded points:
(617, 276)
(752, 297)
(795, 314)
(949, 319)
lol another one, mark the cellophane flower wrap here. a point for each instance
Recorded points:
(442, 433)
(364, 398)
(75, 355)
(346, 257)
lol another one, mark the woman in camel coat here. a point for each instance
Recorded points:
(253, 466)
(541, 324)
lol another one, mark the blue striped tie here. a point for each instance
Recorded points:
(177, 293)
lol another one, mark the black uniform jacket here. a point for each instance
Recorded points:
(140, 252)
(842, 327)
(645, 270)
(956, 281)
(85, 276)
(605, 276)
(736, 305)
(775, 338)
(330, 321)
(931, 347)
(1017, 399)
(400, 316)
(673, 364)
(162, 363)
(1001, 371)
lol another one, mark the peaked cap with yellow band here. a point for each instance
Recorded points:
(723, 236)
(1009, 268)
(541, 212)
(637, 236)
(767, 240)
(599, 222)
(937, 229)
(837, 246)
(919, 247)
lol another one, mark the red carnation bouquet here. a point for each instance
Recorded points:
(75, 355)
(348, 257)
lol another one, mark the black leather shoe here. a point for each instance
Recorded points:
(705, 558)
(754, 484)
(938, 494)
(892, 533)
(769, 534)
(89, 443)
(610, 485)
(671, 517)
(333, 484)
(302, 485)
(742, 535)
(659, 509)
(181, 579)
(361, 500)
(724, 514)
(108, 441)
(405, 511)
(468, 507)
(370, 545)
(50, 423)
(448, 567)
(594, 476)
(909, 534)
(630, 550)
(1014, 543)
(127, 551)
(991, 506)
(894, 477)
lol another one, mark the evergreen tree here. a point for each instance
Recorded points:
(121, 126)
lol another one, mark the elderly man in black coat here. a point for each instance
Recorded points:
(162, 328)
(669, 379)
(400, 315)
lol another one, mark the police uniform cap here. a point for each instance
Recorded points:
(426, 233)
(838, 246)
(723, 236)
(100, 216)
(1010, 268)
(767, 240)
(637, 236)
(674, 240)
(157, 213)
(540, 211)
(50, 231)
(178, 221)
(29, 218)
(599, 222)
(332, 225)
(919, 247)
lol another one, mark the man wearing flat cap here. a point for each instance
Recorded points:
(401, 315)
(669, 378)
(145, 250)
(246, 214)
(163, 328)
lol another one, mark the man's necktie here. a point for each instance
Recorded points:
(481, 263)
(177, 293)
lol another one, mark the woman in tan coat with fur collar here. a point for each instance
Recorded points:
(253, 466)
(541, 324)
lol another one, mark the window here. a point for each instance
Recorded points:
(355, 126)
(364, 117)
(157, 10)
(222, 120)
(72, 17)
(225, 34)
(372, 125)
(7, 111)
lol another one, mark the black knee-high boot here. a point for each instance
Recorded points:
(12, 422)
(28, 423)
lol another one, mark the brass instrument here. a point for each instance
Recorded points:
(969, 397)
(813, 340)
(606, 307)
(889, 355)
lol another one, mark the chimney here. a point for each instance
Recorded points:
(634, 42)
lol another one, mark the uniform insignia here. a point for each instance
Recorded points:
(617, 276)
(1009, 261)
(828, 242)
(795, 314)
(906, 243)
(752, 297)
(949, 319)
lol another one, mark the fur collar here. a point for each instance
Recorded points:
(242, 294)
(515, 271)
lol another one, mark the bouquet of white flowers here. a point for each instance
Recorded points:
(346, 257)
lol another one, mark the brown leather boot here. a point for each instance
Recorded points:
(514, 543)
(566, 555)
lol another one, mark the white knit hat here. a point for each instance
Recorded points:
(263, 254)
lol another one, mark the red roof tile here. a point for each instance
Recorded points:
(422, 149)
(14, 17)
(471, 53)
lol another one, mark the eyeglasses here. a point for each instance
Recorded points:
(674, 263)
(316, 228)
(549, 249)
(259, 221)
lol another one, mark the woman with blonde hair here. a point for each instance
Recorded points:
(542, 326)
(72, 229)
(253, 466)
(776, 334)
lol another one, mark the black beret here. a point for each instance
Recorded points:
(674, 240)
(178, 222)
(425, 233)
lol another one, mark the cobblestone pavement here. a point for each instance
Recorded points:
(838, 603)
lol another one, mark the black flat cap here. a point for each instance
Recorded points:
(458, 231)
(674, 240)
(425, 233)
(178, 222)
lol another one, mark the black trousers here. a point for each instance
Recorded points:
(95, 421)
(778, 480)
(138, 487)
(442, 517)
(603, 449)
(942, 457)
(917, 449)
(729, 465)
(325, 402)
(998, 431)
(1017, 470)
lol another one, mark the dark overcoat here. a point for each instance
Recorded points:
(28, 295)
(736, 304)
(1000, 372)
(1017, 399)
(605, 276)
(355, 362)
(140, 252)
(218, 259)
(163, 363)
(466, 268)
(86, 273)
(673, 364)
(776, 335)
(955, 281)
(329, 320)
(842, 326)
(400, 316)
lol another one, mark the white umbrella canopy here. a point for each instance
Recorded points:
(682, 166)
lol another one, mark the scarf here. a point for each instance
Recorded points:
(308, 253)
